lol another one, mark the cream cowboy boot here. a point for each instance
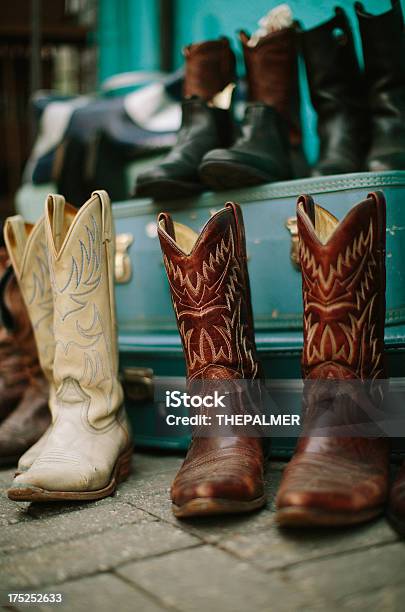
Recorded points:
(26, 245)
(88, 450)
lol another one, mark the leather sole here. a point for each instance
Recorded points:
(219, 175)
(167, 189)
(209, 506)
(121, 471)
(312, 517)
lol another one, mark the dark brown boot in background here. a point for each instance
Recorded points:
(339, 479)
(15, 330)
(209, 69)
(269, 148)
(396, 509)
(24, 413)
(209, 285)
(383, 40)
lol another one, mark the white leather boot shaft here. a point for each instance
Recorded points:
(26, 245)
(90, 432)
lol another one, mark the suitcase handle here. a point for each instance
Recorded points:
(291, 225)
(123, 266)
(138, 384)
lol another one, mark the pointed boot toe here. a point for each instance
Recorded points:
(60, 475)
(27, 459)
(323, 490)
(222, 481)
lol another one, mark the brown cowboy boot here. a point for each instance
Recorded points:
(339, 480)
(209, 285)
(396, 509)
(23, 390)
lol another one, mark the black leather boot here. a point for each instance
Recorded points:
(210, 67)
(383, 38)
(269, 148)
(336, 86)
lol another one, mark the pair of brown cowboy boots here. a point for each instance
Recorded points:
(331, 480)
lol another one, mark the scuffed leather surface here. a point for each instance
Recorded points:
(344, 308)
(211, 298)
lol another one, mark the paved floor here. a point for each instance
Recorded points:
(129, 553)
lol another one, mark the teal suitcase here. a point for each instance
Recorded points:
(150, 349)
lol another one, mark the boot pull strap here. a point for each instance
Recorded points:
(106, 214)
(15, 237)
(168, 224)
(56, 210)
(240, 227)
(381, 206)
(308, 204)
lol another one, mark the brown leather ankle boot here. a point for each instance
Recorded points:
(209, 285)
(339, 479)
(24, 411)
(209, 69)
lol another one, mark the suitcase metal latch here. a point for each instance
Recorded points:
(138, 384)
(291, 225)
(123, 266)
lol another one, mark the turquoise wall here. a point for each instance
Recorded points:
(128, 33)
(127, 36)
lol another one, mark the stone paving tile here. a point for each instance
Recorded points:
(390, 599)
(154, 497)
(6, 476)
(206, 578)
(153, 462)
(55, 563)
(339, 578)
(91, 519)
(104, 592)
(275, 548)
(12, 512)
